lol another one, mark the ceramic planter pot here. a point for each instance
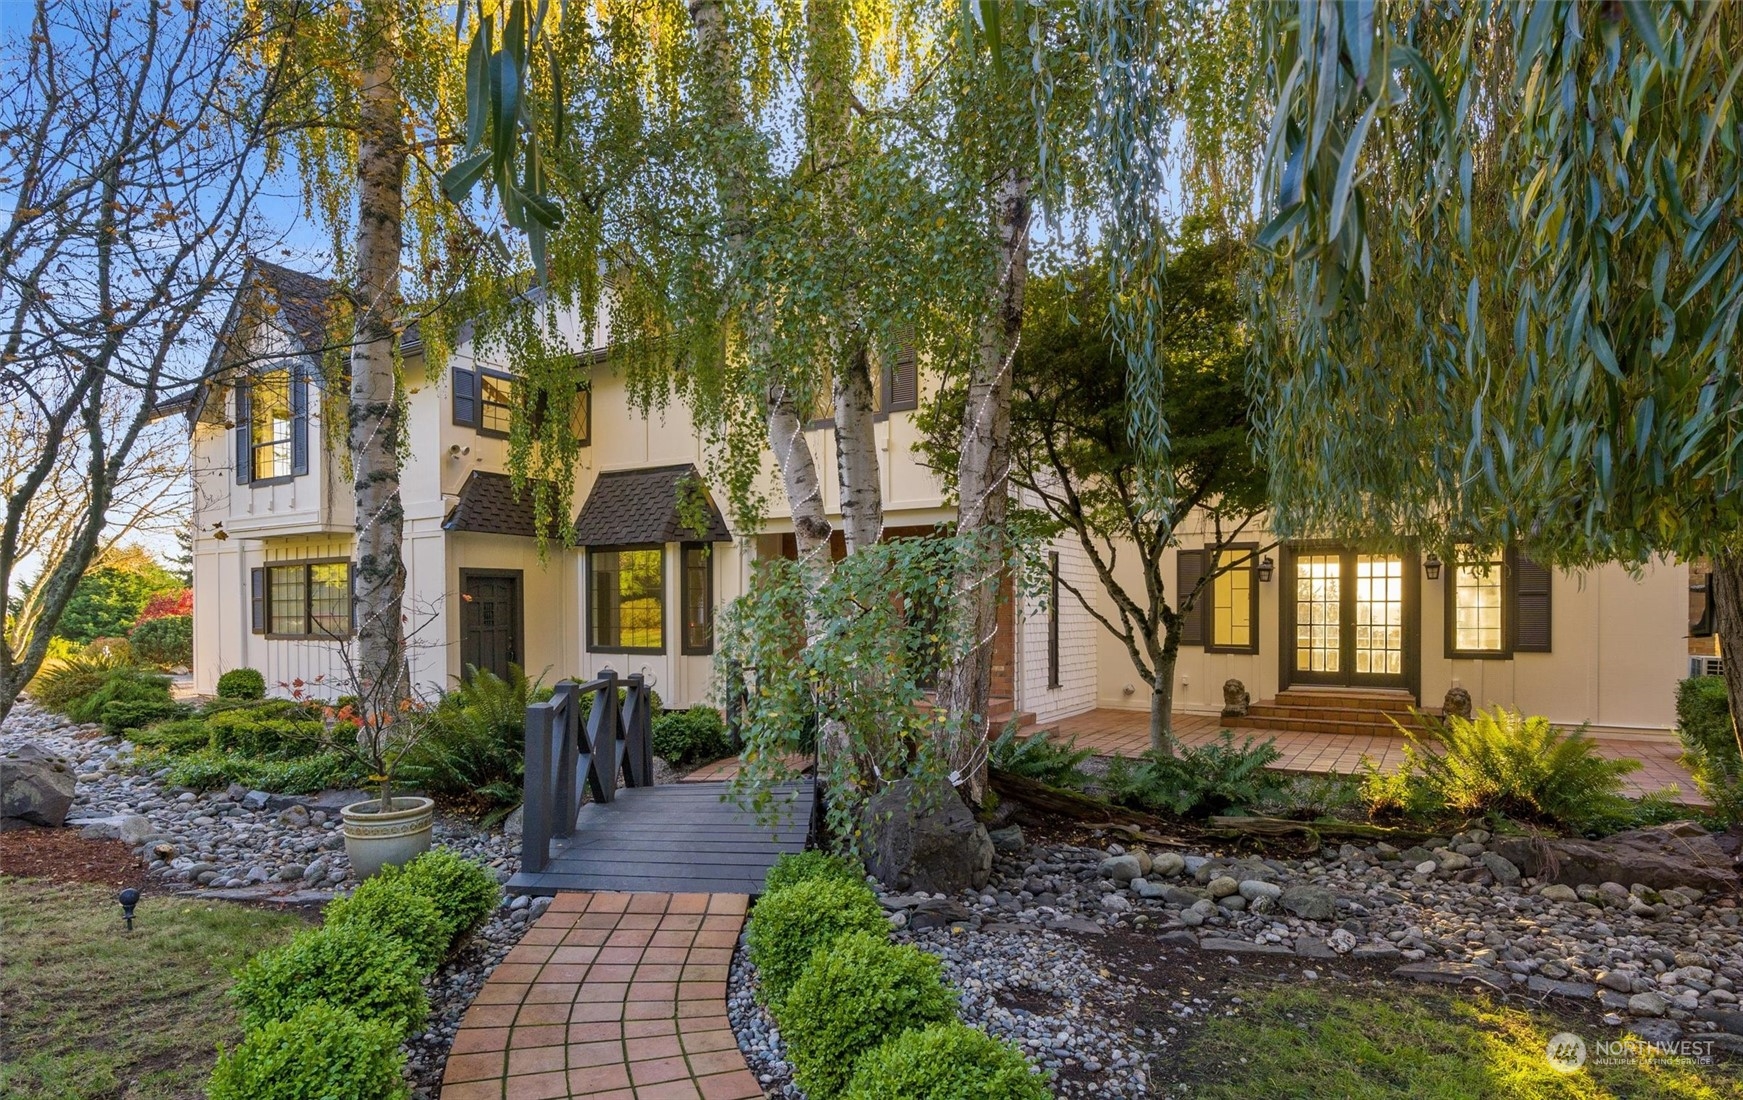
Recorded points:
(374, 839)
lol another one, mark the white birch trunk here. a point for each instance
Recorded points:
(856, 453)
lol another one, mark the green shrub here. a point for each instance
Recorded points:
(1200, 781)
(123, 716)
(694, 736)
(1501, 762)
(946, 1062)
(116, 649)
(476, 741)
(1710, 751)
(392, 908)
(167, 642)
(288, 709)
(348, 966)
(73, 679)
(322, 1052)
(463, 892)
(1040, 758)
(788, 925)
(796, 867)
(123, 685)
(251, 733)
(206, 770)
(854, 994)
(178, 735)
(242, 683)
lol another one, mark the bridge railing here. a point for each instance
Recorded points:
(568, 758)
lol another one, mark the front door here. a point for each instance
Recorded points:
(1350, 618)
(490, 618)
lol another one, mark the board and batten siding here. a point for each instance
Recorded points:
(1076, 690)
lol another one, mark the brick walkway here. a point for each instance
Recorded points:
(1127, 733)
(609, 996)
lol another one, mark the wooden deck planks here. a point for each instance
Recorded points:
(678, 837)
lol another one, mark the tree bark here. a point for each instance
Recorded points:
(1727, 582)
(375, 400)
(856, 452)
(983, 487)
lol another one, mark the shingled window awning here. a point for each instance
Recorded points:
(488, 506)
(646, 507)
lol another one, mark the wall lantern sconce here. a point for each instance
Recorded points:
(1266, 568)
(1431, 567)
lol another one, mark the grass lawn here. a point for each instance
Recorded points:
(1317, 1044)
(88, 1010)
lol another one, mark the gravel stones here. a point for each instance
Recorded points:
(1121, 868)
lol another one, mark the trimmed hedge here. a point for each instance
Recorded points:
(352, 966)
(123, 716)
(390, 909)
(694, 736)
(463, 892)
(949, 1061)
(855, 993)
(796, 867)
(321, 1052)
(790, 924)
(259, 735)
(242, 683)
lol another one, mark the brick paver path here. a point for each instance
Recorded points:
(610, 996)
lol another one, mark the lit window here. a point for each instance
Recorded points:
(698, 598)
(269, 428)
(628, 601)
(1477, 609)
(495, 403)
(1231, 613)
(309, 600)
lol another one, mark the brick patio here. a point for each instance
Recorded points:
(609, 996)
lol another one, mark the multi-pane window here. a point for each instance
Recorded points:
(627, 601)
(1479, 607)
(308, 600)
(269, 427)
(1318, 613)
(1379, 615)
(1232, 596)
(495, 402)
(698, 598)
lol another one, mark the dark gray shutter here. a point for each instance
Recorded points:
(299, 396)
(1189, 571)
(905, 381)
(1531, 583)
(244, 456)
(465, 398)
(257, 601)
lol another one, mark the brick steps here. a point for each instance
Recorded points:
(1349, 711)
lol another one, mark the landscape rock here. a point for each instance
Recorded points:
(1309, 902)
(1680, 853)
(1121, 868)
(941, 849)
(1647, 1004)
(1501, 867)
(1007, 839)
(1167, 864)
(36, 788)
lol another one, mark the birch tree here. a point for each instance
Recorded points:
(128, 146)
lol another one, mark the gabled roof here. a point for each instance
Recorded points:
(488, 505)
(636, 507)
(302, 300)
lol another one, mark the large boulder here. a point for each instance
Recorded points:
(1679, 853)
(932, 845)
(36, 788)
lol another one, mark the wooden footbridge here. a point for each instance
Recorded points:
(594, 819)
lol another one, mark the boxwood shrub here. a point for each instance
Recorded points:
(693, 736)
(321, 1052)
(790, 924)
(946, 1062)
(391, 908)
(795, 867)
(854, 994)
(350, 966)
(463, 892)
(242, 683)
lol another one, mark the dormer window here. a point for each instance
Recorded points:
(272, 425)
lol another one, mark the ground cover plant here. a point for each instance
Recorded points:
(94, 1012)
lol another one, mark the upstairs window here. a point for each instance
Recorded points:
(626, 589)
(495, 402)
(272, 425)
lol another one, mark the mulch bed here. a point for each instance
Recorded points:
(61, 855)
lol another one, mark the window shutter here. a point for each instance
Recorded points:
(244, 456)
(1531, 583)
(465, 398)
(257, 601)
(1189, 571)
(905, 381)
(299, 395)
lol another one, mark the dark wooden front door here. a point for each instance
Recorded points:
(1350, 617)
(490, 620)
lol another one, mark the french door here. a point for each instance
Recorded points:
(1350, 617)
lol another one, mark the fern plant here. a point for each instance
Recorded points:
(1204, 780)
(1502, 762)
(1040, 758)
(477, 744)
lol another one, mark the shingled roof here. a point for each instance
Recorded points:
(632, 507)
(301, 299)
(488, 506)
